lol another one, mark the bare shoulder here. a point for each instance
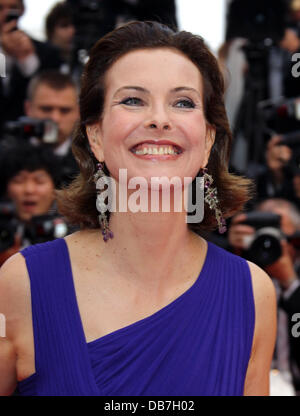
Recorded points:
(257, 378)
(15, 308)
(12, 270)
(263, 287)
(14, 292)
(265, 304)
(14, 280)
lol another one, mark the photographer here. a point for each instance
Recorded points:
(281, 260)
(257, 57)
(29, 177)
(52, 95)
(60, 31)
(280, 177)
(24, 57)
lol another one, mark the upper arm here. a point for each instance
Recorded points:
(258, 372)
(13, 292)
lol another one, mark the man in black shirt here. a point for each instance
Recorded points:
(53, 95)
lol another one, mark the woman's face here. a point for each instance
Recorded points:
(31, 192)
(153, 104)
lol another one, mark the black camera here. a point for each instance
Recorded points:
(280, 116)
(39, 229)
(42, 228)
(264, 247)
(45, 131)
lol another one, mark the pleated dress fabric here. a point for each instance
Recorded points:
(198, 345)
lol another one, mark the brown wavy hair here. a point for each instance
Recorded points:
(77, 201)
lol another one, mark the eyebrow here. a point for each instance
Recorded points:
(132, 87)
(144, 90)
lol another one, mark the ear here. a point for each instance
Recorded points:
(95, 140)
(209, 141)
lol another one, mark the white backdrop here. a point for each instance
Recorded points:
(203, 17)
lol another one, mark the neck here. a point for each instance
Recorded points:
(151, 248)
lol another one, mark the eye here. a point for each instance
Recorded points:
(132, 101)
(65, 110)
(17, 180)
(184, 103)
(46, 109)
(40, 181)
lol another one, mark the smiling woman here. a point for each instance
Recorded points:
(152, 309)
(196, 93)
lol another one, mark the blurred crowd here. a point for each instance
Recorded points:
(262, 99)
(39, 111)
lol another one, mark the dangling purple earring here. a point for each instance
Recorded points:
(101, 207)
(211, 198)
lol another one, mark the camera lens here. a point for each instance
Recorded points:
(264, 250)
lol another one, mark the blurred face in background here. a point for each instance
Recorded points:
(31, 192)
(6, 6)
(60, 106)
(63, 35)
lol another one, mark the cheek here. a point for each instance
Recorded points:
(14, 192)
(195, 134)
(45, 193)
(118, 124)
(194, 128)
(72, 117)
(115, 137)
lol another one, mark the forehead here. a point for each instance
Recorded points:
(44, 93)
(161, 67)
(26, 174)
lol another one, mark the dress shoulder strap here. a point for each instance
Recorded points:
(61, 355)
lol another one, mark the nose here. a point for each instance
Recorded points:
(166, 126)
(29, 187)
(55, 116)
(158, 119)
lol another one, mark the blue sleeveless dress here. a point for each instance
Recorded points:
(198, 345)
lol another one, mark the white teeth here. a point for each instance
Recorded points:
(156, 151)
